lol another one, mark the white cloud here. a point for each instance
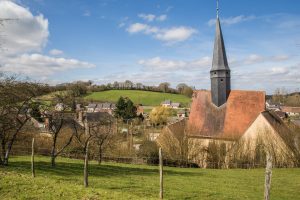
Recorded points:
(137, 27)
(169, 35)
(152, 17)
(41, 65)
(279, 70)
(25, 37)
(175, 34)
(253, 58)
(24, 34)
(232, 20)
(56, 52)
(281, 57)
(147, 17)
(160, 64)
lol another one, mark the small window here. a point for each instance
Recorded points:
(227, 72)
(221, 80)
(215, 73)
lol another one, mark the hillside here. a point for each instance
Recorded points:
(125, 181)
(146, 98)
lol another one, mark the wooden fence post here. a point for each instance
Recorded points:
(268, 176)
(161, 192)
(32, 159)
(86, 163)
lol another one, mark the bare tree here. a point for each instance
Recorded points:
(102, 133)
(58, 119)
(16, 100)
(164, 87)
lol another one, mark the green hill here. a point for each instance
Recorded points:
(146, 98)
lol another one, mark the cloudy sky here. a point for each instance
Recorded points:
(151, 41)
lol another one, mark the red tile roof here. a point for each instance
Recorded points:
(229, 121)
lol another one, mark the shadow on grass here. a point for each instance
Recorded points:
(65, 168)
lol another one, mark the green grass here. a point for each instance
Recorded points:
(147, 98)
(124, 181)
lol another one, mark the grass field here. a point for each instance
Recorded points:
(124, 181)
(143, 97)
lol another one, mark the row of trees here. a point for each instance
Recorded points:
(81, 87)
(282, 96)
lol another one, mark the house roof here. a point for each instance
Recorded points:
(177, 128)
(92, 105)
(99, 105)
(228, 121)
(290, 109)
(175, 104)
(97, 116)
(106, 105)
(166, 102)
(280, 114)
(281, 128)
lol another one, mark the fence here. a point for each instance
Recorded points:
(26, 151)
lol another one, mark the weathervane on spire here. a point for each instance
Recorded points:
(217, 8)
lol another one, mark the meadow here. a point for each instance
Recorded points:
(127, 181)
(146, 98)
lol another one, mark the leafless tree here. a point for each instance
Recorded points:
(102, 133)
(16, 100)
(58, 119)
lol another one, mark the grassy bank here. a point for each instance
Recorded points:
(124, 181)
(138, 97)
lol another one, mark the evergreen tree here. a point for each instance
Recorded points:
(125, 109)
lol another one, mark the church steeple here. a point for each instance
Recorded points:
(220, 72)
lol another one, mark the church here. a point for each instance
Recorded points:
(233, 123)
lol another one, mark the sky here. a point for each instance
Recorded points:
(151, 41)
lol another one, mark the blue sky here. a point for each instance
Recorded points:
(152, 41)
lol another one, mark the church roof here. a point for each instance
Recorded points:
(229, 121)
(286, 133)
(219, 54)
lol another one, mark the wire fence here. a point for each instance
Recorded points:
(153, 160)
(160, 161)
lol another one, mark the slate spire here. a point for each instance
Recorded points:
(220, 72)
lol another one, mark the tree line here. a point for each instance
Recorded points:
(82, 87)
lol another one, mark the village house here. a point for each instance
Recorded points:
(59, 107)
(181, 114)
(101, 107)
(280, 114)
(91, 107)
(170, 104)
(291, 111)
(270, 106)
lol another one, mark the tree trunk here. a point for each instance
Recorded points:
(8, 150)
(53, 156)
(11, 142)
(3, 152)
(32, 159)
(100, 155)
(53, 160)
(86, 162)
